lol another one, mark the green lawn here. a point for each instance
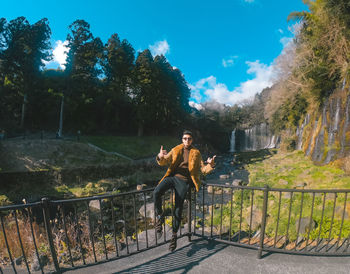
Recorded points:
(133, 146)
(293, 169)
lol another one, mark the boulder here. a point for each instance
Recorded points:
(19, 260)
(237, 182)
(256, 218)
(304, 225)
(94, 205)
(224, 176)
(149, 210)
(35, 265)
(140, 187)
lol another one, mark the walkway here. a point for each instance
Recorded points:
(203, 257)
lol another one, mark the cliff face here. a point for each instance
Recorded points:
(325, 135)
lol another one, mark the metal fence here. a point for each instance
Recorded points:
(57, 235)
(299, 221)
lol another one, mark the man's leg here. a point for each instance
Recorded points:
(181, 188)
(158, 192)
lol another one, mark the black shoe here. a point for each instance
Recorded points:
(159, 224)
(173, 240)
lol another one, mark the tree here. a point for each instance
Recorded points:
(143, 91)
(83, 69)
(26, 47)
(118, 64)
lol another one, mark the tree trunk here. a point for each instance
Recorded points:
(140, 130)
(59, 133)
(23, 110)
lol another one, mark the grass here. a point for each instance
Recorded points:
(293, 169)
(289, 170)
(132, 146)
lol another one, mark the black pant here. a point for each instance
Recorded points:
(181, 187)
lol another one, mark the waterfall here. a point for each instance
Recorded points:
(346, 124)
(255, 138)
(336, 119)
(300, 131)
(233, 141)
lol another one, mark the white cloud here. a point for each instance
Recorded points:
(59, 55)
(195, 105)
(229, 62)
(159, 48)
(208, 88)
(249, 1)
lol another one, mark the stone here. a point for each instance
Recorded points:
(140, 187)
(237, 182)
(283, 182)
(35, 265)
(301, 185)
(227, 190)
(149, 210)
(224, 176)
(19, 260)
(256, 218)
(304, 225)
(94, 204)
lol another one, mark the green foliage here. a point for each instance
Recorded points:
(289, 114)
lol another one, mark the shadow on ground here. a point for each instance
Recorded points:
(184, 259)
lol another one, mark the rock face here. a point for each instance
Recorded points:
(324, 136)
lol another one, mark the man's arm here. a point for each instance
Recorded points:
(209, 167)
(164, 158)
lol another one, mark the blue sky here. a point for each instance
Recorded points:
(225, 48)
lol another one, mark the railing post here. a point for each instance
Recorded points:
(189, 215)
(46, 214)
(263, 221)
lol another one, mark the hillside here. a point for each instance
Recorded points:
(36, 154)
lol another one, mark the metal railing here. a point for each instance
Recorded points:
(296, 221)
(57, 235)
(66, 234)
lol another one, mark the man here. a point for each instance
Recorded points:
(184, 167)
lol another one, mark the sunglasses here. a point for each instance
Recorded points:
(187, 138)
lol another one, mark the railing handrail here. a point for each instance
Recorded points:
(108, 196)
(45, 204)
(281, 189)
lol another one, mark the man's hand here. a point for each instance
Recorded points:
(162, 153)
(211, 161)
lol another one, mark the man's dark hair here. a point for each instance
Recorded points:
(187, 132)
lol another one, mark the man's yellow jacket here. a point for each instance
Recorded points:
(196, 165)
